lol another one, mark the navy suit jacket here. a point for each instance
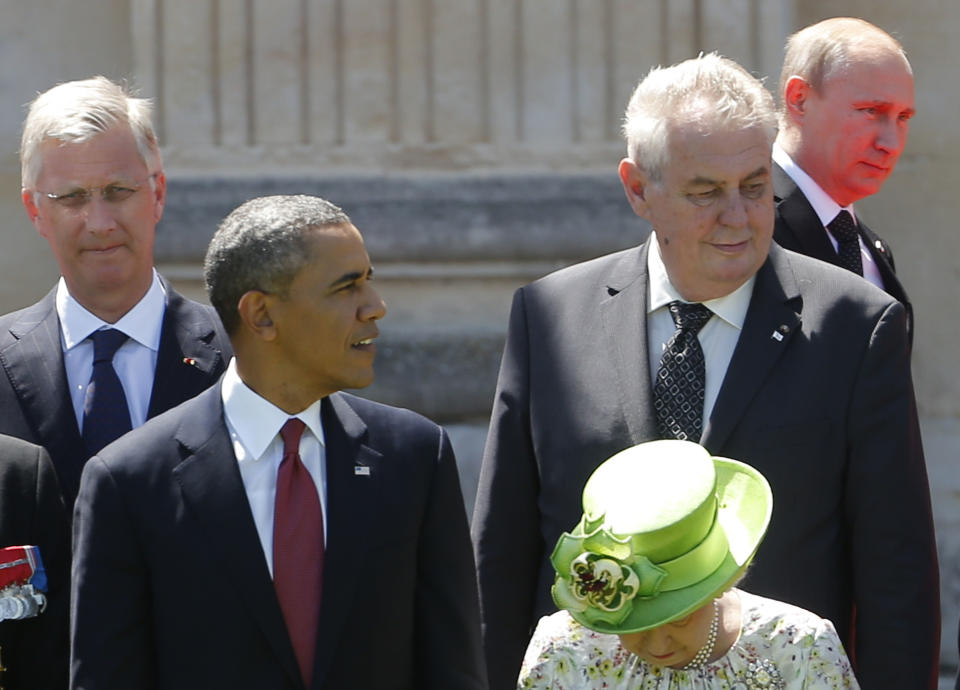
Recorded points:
(817, 396)
(171, 588)
(35, 650)
(798, 228)
(35, 404)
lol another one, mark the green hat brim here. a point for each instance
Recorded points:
(744, 509)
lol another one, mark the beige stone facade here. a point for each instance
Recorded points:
(415, 110)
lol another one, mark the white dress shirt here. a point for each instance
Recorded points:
(826, 209)
(718, 337)
(254, 424)
(136, 360)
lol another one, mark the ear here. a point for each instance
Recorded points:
(159, 195)
(635, 185)
(795, 96)
(27, 196)
(254, 311)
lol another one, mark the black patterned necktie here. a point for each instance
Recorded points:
(848, 242)
(678, 390)
(106, 416)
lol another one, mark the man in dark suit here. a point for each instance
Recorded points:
(35, 650)
(94, 188)
(847, 98)
(812, 389)
(187, 571)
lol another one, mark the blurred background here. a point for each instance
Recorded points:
(474, 143)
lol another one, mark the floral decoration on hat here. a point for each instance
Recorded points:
(602, 575)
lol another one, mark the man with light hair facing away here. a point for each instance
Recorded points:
(710, 332)
(846, 101)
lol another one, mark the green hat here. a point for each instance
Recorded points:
(665, 529)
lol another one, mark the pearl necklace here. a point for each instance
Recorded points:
(700, 658)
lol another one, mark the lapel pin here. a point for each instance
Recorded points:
(190, 361)
(781, 331)
(879, 245)
(361, 471)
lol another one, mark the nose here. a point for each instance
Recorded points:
(373, 307)
(891, 136)
(99, 215)
(734, 213)
(658, 641)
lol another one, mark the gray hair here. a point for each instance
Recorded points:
(262, 245)
(77, 111)
(815, 51)
(709, 88)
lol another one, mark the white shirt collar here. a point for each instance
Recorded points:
(142, 323)
(255, 419)
(732, 308)
(824, 205)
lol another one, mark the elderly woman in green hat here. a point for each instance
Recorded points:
(645, 584)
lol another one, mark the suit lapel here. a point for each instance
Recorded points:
(623, 313)
(352, 514)
(186, 361)
(213, 492)
(34, 364)
(772, 320)
(802, 222)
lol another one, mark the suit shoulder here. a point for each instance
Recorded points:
(388, 416)
(18, 457)
(158, 437)
(593, 270)
(833, 283)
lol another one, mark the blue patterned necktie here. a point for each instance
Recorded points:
(679, 386)
(848, 242)
(106, 416)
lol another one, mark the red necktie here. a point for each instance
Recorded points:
(298, 549)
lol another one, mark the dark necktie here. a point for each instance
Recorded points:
(106, 416)
(848, 242)
(678, 390)
(298, 549)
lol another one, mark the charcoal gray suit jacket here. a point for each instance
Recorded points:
(35, 404)
(817, 396)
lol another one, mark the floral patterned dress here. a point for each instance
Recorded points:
(780, 646)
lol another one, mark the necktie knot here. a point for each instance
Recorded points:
(106, 343)
(689, 315)
(291, 432)
(844, 229)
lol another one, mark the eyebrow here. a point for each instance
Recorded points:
(352, 277)
(888, 105)
(701, 180)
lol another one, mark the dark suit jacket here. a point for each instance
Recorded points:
(826, 412)
(798, 228)
(171, 588)
(35, 403)
(35, 650)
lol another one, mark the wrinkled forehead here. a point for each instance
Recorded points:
(111, 155)
(700, 151)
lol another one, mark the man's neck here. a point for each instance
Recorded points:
(111, 305)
